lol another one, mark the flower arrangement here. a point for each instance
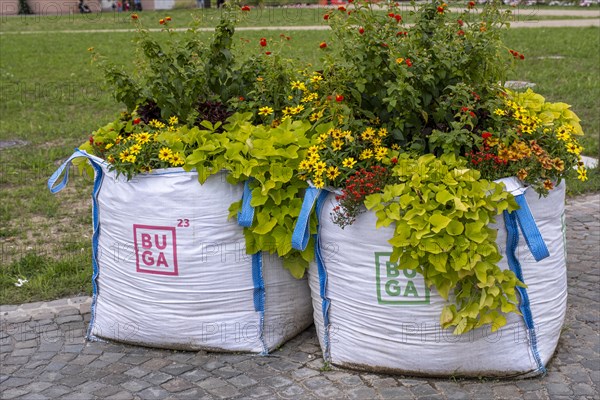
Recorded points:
(413, 123)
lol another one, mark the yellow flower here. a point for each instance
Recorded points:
(337, 145)
(563, 134)
(522, 174)
(572, 147)
(348, 162)
(305, 165)
(320, 168)
(376, 142)
(165, 153)
(266, 110)
(156, 124)
(287, 111)
(380, 153)
(316, 116)
(135, 149)
(395, 146)
(382, 132)
(313, 158)
(559, 164)
(322, 138)
(582, 174)
(368, 134)
(130, 158)
(310, 97)
(316, 78)
(366, 154)
(298, 85)
(142, 138)
(108, 146)
(318, 182)
(332, 172)
(176, 159)
(399, 60)
(499, 111)
(259, 79)
(123, 155)
(313, 150)
(297, 109)
(173, 120)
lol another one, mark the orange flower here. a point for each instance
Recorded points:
(548, 185)
(522, 174)
(323, 45)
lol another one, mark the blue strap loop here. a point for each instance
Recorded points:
(259, 297)
(301, 234)
(512, 241)
(246, 216)
(64, 168)
(531, 233)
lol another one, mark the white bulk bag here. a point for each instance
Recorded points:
(372, 315)
(171, 271)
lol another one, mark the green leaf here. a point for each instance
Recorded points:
(265, 223)
(439, 222)
(443, 196)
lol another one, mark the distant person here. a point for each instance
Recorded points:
(200, 3)
(137, 5)
(83, 8)
(119, 6)
(127, 5)
(220, 3)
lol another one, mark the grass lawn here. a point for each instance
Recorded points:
(52, 98)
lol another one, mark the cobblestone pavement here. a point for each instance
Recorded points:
(44, 354)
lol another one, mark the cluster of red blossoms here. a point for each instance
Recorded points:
(358, 186)
(484, 156)
(163, 21)
(397, 17)
(516, 54)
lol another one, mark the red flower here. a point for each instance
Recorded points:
(440, 10)
(521, 56)
(91, 140)
(472, 114)
(460, 22)
(464, 109)
(384, 45)
(342, 8)
(350, 1)
(162, 21)
(394, 160)
(486, 135)
(134, 16)
(136, 121)
(263, 42)
(460, 33)
(391, 15)
(246, 8)
(326, 17)
(241, 98)
(167, 18)
(339, 98)
(408, 62)
(268, 53)
(323, 45)
(398, 17)
(361, 30)
(471, 5)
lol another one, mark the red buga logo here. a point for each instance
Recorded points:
(155, 249)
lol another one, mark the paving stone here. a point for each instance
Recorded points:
(191, 394)
(277, 382)
(291, 392)
(122, 395)
(176, 369)
(157, 377)
(137, 372)
(195, 375)
(399, 393)
(242, 381)
(13, 393)
(212, 383)
(155, 364)
(153, 393)
(177, 385)
(361, 393)
(57, 391)
(304, 373)
(224, 392)
(135, 385)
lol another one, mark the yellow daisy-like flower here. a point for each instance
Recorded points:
(382, 132)
(173, 120)
(286, 117)
(315, 116)
(176, 159)
(156, 124)
(582, 174)
(313, 150)
(348, 162)
(305, 165)
(118, 139)
(368, 134)
(320, 168)
(573, 148)
(499, 111)
(110, 159)
(287, 111)
(332, 172)
(337, 145)
(366, 154)
(108, 146)
(171, 128)
(563, 134)
(395, 146)
(130, 158)
(559, 164)
(336, 133)
(376, 142)
(298, 109)
(310, 97)
(260, 79)
(135, 149)
(123, 155)
(142, 138)
(298, 85)
(264, 111)
(165, 153)
(316, 78)
(322, 138)
(314, 158)
(399, 60)
(318, 182)
(380, 153)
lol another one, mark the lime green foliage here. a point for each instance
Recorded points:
(441, 212)
(269, 158)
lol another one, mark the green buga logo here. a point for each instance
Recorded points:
(398, 286)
